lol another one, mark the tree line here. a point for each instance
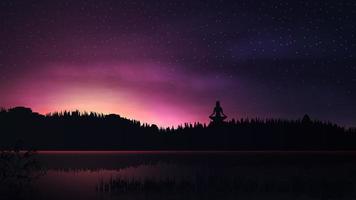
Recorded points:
(74, 130)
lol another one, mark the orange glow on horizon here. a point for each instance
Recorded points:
(106, 102)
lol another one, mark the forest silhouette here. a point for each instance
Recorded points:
(74, 130)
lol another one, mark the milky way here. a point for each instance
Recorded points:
(167, 62)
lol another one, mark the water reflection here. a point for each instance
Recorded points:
(197, 175)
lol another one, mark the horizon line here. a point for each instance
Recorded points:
(170, 126)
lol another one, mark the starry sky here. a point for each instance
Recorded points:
(167, 62)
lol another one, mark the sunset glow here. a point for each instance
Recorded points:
(168, 64)
(135, 91)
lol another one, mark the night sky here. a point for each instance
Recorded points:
(167, 62)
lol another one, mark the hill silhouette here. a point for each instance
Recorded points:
(73, 130)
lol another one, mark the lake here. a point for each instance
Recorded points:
(195, 175)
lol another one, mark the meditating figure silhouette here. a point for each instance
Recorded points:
(218, 115)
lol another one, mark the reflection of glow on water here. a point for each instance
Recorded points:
(82, 183)
(313, 172)
(61, 184)
(157, 172)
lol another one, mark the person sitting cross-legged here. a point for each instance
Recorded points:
(218, 115)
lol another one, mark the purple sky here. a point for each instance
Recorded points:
(167, 62)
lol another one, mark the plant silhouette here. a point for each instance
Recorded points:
(19, 168)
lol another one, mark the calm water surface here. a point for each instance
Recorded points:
(260, 175)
